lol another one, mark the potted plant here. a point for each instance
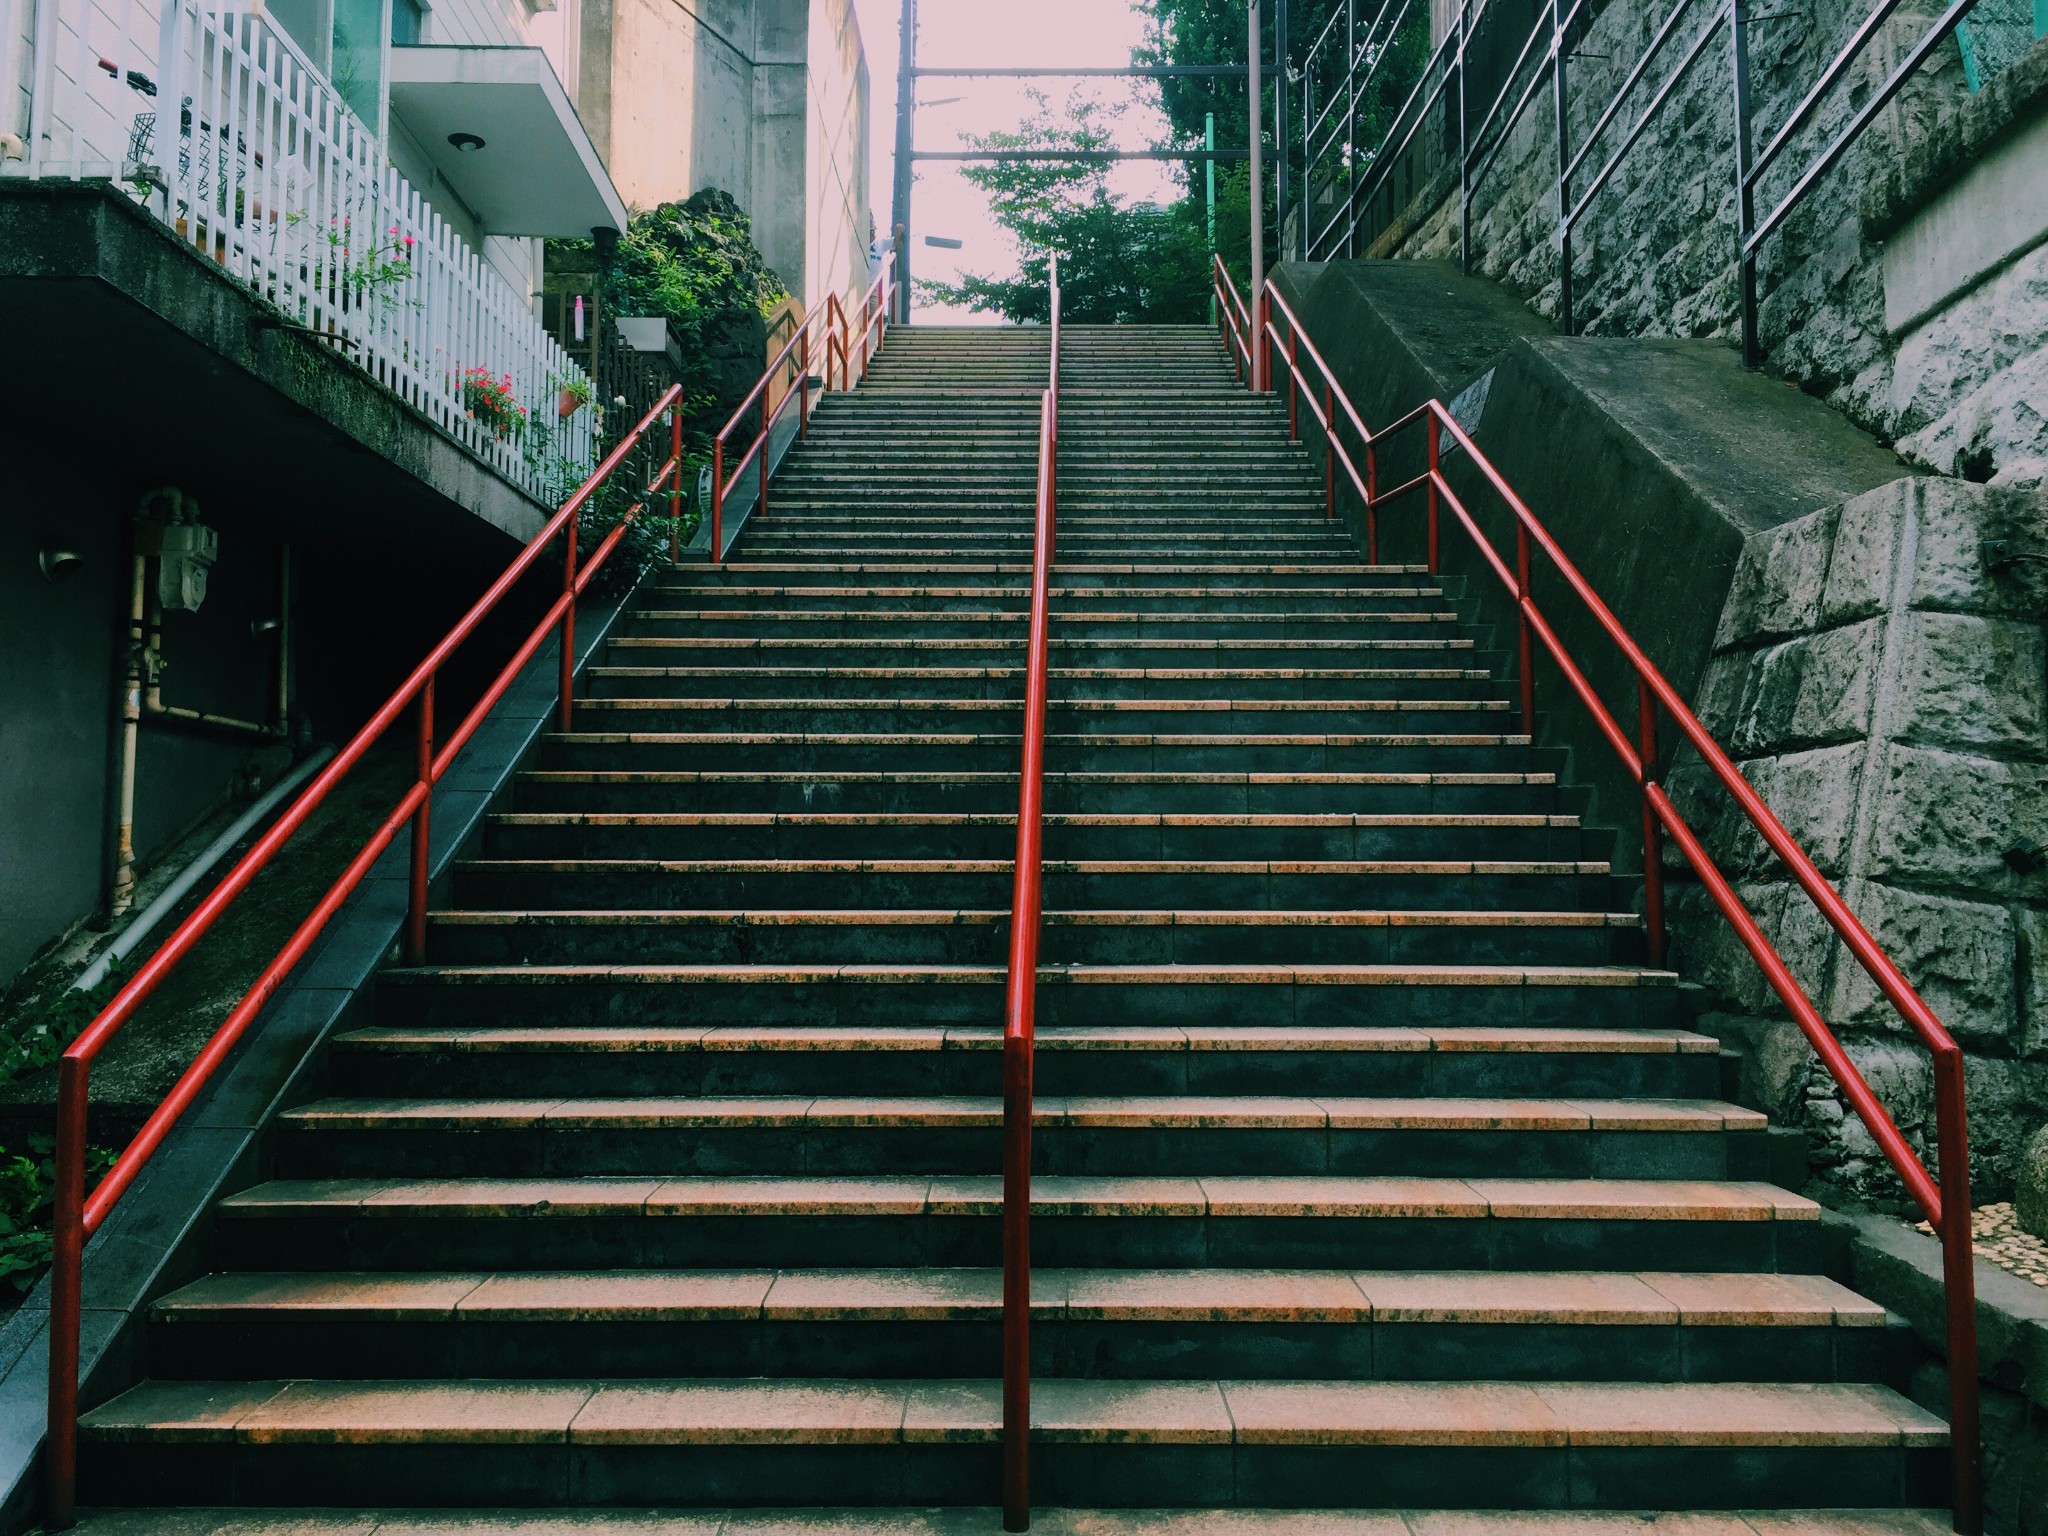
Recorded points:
(571, 395)
(492, 402)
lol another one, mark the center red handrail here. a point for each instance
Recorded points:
(1944, 1200)
(840, 343)
(75, 1217)
(1020, 999)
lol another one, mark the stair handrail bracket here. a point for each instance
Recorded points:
(841, 341)
(1020, 991)
(1943, 1197)
(76, 1217)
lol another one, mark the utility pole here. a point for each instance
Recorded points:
(1280, 119)
(906, 116)
(1258, 206)
(1209, 143)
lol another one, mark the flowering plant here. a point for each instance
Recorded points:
(492, 402)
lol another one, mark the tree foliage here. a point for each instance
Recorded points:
(1122, 260)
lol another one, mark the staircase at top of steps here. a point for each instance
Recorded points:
(1374, 1168)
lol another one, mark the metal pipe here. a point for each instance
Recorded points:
(166, 901)
(906, 115)
(134, 665)
(1258, 207)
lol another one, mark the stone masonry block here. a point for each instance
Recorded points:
(1945, 818)
(2031, 926)
(1959, 955)
(1812, 793)
(1975, 683)
(1859, 581)
(1950, 571)
(1778, 581)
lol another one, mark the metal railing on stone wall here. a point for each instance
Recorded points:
(1453, 123)
(215, 123)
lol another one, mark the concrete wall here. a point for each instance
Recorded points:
(765, 99)
(1910, 289)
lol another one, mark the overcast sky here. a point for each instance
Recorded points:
(993, 32)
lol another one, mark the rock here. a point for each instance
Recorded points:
(2030, 1185)
(1946, 818)
(1958, 954)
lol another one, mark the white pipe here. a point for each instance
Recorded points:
(132, 936)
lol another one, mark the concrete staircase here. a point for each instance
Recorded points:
(1375, 1170)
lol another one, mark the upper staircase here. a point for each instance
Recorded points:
(1375, 1169)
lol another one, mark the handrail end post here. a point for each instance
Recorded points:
(422, 831)
(1959, 1283)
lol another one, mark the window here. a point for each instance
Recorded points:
(408, 19)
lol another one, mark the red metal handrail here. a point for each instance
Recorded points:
(76, 1218)
(1020, 996)
(1944, 1200)
(831, 318)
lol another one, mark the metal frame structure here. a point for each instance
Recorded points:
(1020, 992)
(1549, 45)
(1943, 1196)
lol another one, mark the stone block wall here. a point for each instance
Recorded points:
(1885, 689)
(1952, 367)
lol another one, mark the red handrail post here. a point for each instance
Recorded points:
(1524, 604)
(566, 704)
(803, 383)
(1293, 386)
(1329, 453)
(675, 492)
(67, 1251)
(1653, 829)
(717, 501)
(1958, 1260)
(767, 450)
(422, 829)
(1435, 474)
(1372, 505)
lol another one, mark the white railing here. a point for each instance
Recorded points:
(216, 123)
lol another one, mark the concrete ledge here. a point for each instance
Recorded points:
(155, 1239)
(87, 277)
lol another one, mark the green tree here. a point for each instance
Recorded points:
(1122, 261)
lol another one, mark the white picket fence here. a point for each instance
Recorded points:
(216, 123)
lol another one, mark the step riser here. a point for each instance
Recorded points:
(768, 624)
(997, 794)
(824, 1151)
(542, 888)
(878, 653)
(1070, 754)
(508, 1072)
(886, 840)
(1002, 717)
(878, 1004)
(1111, 1476)
(402, 1243)
(1015, 601)
(1059, 944)
(1008, 684)
(970, 1349)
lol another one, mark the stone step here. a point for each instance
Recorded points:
(883, 790)
(1121, 885)
(825, 753)
(1437, 648)
(917, 1221)
(495, 1136)
(1118, 1324)
(973, 1521)
(1392, 621)
(956, 936)
(1064, 716)
(992, 835)
(856, 993)
(1105, 1058)
(1007, 682)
